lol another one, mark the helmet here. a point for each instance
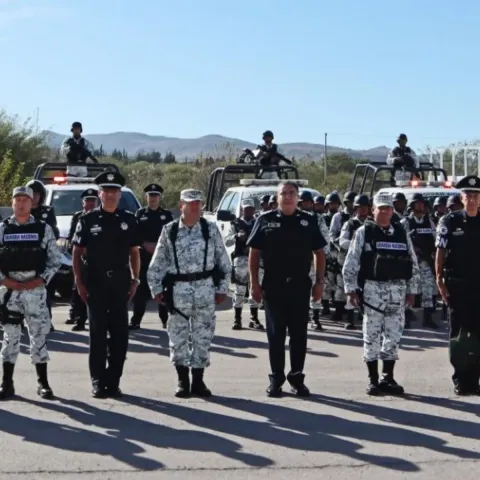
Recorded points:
(265, 199)
(267, 133)
(454, 200)
(332, 198)
(361, 200)
(349, 197)
(399, 197)
(440, 201)
(319, 199)
(306, 196)
(76, 125)
(38, 187)
(417, 197)
(402, 136)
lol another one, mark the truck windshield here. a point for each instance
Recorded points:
(67, 202)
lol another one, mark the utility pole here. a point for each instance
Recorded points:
(325, 156)
(36, 120)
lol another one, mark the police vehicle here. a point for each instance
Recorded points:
(63, 194)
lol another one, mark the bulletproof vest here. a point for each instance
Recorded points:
(328, 219)
(268, 155)
(241, 249)
(353, 225)
(400, 152)
(77, 151)
(345, 217)
(389, 258)
(463, 254)
(22, 250)
(422, 235)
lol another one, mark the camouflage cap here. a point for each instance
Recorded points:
(191, 195)
(25, 191)
(247, 202)
(383, 200)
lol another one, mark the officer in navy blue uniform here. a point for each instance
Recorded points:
(107, 238)
(458, 274)
(151, 220)
(78, 309)
(285, 240)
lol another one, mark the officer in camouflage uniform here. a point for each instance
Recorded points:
(361, 204)
(264, 205)
(454, 203)
(29, 258)
(399, 207)
(238, 235)
(422, 233)
(319, 204)
(439, 209)
(382, 262)
(189, 272)
(338, 220)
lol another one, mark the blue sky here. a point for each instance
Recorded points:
(363, 71)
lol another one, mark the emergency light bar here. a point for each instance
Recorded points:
(73, 179)
(422, 183)
(248, 182)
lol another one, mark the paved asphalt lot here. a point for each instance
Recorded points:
(338, 433)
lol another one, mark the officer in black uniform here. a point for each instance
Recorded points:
(457, 272)
(264, 204)
(319, 205)
(284, 240)
(108, 239)
(439, 209)
(46, 214)
(76, 148)
(78, 309)
(151, 220)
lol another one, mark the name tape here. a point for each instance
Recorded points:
(21, 237)
(391, 246)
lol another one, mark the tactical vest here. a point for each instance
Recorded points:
(353, 225)
(241, 249)
(463, 253)
(328, 219)
(389, 258)
(400, 152)
(422, 235)
(21, 249)
(345, 217)
(77, 151)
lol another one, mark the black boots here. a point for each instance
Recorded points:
(339, 311)
(409, 318)
(198, 385)
(428, 320)
(7, 389)
(237, 323)
(298, 386)
(350, 325)
(316, 320)
(43, 389)
(325, 307)
(254, 322)
(387, 384)
(372, 388)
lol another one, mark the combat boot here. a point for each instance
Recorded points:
(183, 387)
(254, 321)
(237, 323)
(350, 325)
(298, 386)
(70, 321)
(325, 307)
(198, 385)
(79, 327)
(387, 383)
(409, 317)
(373, 388)
(7, 389)
(428, 320)
(316, 320)
(339, 311)
(274, 390)
(43, 389)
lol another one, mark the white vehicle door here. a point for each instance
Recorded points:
(233, 209)
(223, 205)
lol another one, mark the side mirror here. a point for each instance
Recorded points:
(225, 216)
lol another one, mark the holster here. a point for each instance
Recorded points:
(7, 316)
(168, 284)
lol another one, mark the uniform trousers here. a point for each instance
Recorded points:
(287, 304)
(78, 309)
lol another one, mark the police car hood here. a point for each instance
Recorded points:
(63, 223)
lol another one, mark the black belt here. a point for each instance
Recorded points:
(191, 277)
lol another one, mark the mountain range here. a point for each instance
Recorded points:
(214, 145)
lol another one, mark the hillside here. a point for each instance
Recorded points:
(215, 145)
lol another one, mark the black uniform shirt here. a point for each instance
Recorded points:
(46, 214)
(151, 223)
(108, 238)
(286, 243)
(73, 224)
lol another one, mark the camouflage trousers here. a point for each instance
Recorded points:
(428, 284)
(383, 319)
(339, 293)
(191, 329)
(314, 305)
(242, 278)
(33, 305)
(329, 285)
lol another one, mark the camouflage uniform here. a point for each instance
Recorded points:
(384, 307)
(330, 270)
(28, 304)
(191, 324)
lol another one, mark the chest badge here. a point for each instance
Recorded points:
(44, 215)
(303, 223)
(124, 226)
(162, 217)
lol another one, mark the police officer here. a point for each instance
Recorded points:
(151, 220)
(338, 220)
(237, 236)
(439, 209)
(454, 203)
(307, 204)
(421, 229)
(29, 258)
(264, 204)
(272, 202)
(402, 156)
(457, 272)
(189, 272)
(107, 237)
(284, 240)
(382, 259)
(319, 204)
(361, 204)
(78, 309)
(76, 148)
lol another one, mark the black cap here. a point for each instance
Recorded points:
(153, 189)
(470, 183)
(265, 198)
(306, 196)
(319, 199)
(89, 193)
(268, 133)
(110, 179)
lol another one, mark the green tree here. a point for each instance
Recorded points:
(11, 176)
